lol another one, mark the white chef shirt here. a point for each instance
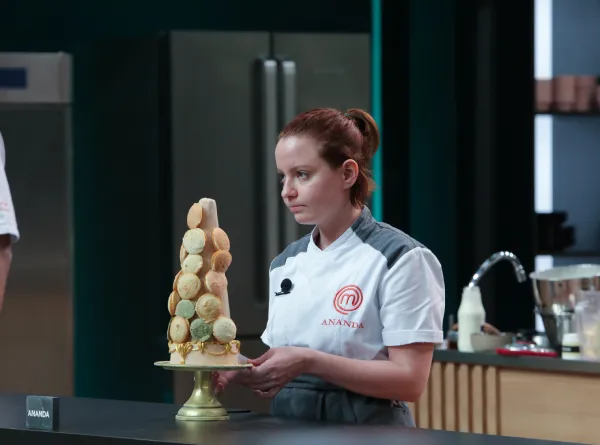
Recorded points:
(8, 221)
(371, 288)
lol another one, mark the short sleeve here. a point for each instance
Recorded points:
(8, 221)
(412, 299)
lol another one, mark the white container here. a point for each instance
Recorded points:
(471, 317)
(570, 346)
(587, 321)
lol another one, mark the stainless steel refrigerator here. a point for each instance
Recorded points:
(223, 98)
(231, 93)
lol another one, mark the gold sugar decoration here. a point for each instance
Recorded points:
(184, 349)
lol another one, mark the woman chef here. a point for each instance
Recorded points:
(355, 307)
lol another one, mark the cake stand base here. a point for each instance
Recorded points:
(203, 404)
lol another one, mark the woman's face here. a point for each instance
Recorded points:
(311, 189)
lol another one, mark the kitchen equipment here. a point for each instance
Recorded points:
(526, 349)
(541, 340)
(533, 336)
(494, 259)
(556, 292)
(570, 346)
(587, 317)
(482, 342)
(235, 107)
(471, 312)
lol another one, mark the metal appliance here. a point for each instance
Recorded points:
(224, 96)
(231, 93)
(556, 292)
(36, 340)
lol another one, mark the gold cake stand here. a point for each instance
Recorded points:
(203, 404)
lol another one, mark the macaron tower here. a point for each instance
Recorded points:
(201, 332)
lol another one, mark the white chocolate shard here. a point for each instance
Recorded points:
(210, 220)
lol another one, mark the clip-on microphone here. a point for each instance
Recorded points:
(286, 287)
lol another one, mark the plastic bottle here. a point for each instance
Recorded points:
(471, 317)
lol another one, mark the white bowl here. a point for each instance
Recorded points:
(483, 342)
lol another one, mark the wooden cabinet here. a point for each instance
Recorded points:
(529, 403)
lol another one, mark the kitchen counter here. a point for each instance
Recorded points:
(531, 363)
(534, 397)
(111, 422)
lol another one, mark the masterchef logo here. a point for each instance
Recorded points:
(348, 299)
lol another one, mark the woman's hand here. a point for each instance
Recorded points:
(220, 381)
(277, 367)
(223, 379)
(271, 371)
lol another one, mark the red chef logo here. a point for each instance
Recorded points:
(348, 299)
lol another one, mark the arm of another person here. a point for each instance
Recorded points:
(9, 233)
(412, 307)
(5, 261)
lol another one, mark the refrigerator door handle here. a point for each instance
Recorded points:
(267, 126)
(286, 74)
(286, 71)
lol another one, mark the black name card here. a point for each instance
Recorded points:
(41, 413)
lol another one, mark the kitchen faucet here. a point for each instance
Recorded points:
(495, 258)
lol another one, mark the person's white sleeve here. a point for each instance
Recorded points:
(412, 300)
(8, 221)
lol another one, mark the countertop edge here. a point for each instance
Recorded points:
(527, 363)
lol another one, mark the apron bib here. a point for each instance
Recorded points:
(310, 398)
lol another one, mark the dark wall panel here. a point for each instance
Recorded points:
(496, 152)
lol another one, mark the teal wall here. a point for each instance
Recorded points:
(433, 151)
(376, 103)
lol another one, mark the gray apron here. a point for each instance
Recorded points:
(310, 398)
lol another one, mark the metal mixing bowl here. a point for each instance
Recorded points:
(556, 291)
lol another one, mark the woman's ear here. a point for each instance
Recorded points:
(350, 172)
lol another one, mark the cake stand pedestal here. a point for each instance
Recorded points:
(203, 404)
